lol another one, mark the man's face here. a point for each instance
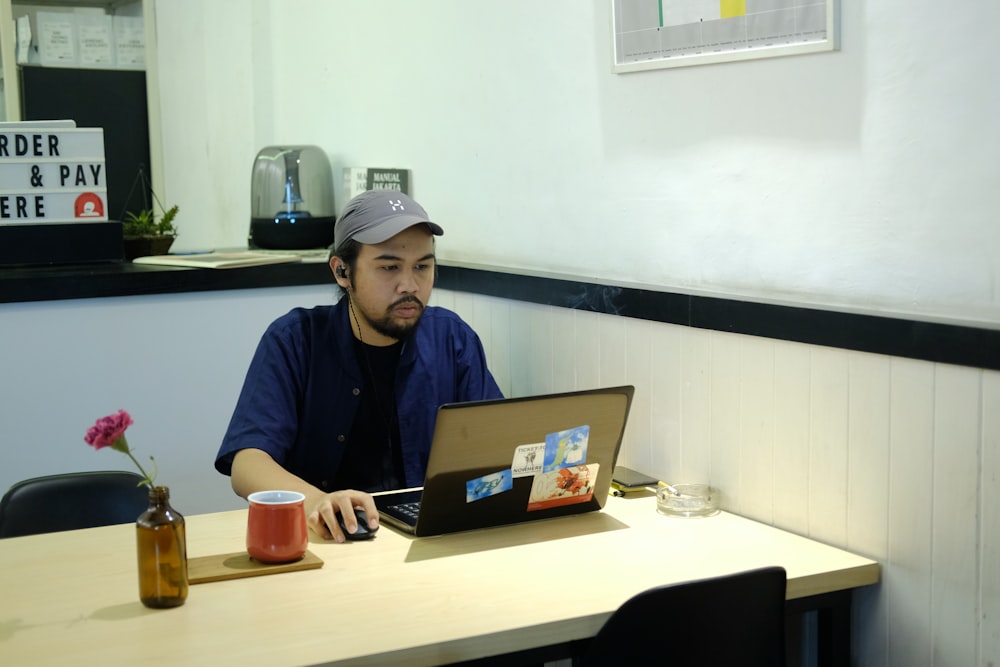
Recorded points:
(391, 284)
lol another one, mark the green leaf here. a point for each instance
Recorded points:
(145, 223)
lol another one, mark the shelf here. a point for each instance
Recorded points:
(10, 105)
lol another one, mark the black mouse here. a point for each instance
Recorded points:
(363, 532)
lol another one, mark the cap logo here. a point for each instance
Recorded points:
(397, 205)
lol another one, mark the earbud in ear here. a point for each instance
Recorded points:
(341, 272)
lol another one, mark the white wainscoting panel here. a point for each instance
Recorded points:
(989, 507)
(637, 447)
(565, 360)
(955, 513)
(792, 398)
(906, 584)
(829, 390)
(725, 426)
(868, 492)
(666, 391)
(695, 410)
(758, 470)
(612, 334)
(587, 348)
(895, 459)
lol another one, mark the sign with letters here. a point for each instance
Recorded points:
(360, 179)
(52, 175)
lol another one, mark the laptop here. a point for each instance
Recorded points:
(507, 461)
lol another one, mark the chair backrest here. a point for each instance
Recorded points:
(70, 501)
(736, 619)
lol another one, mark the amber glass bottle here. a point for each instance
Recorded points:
(161, 545)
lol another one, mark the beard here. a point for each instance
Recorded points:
(387, 326)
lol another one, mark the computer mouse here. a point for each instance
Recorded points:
(363, 532)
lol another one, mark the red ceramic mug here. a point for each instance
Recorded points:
(276, 526)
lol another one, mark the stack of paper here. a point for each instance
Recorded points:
(217, 260)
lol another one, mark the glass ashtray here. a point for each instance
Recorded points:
(687, 500)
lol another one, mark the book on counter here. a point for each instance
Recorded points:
(626, 481)
(360, 179)
(219, 260)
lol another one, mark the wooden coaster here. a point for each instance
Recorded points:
(239, 565)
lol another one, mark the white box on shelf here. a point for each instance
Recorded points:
(96, 40)
(57, 36)
(23, 30)
(130, 42)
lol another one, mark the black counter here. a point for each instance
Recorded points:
(930, 341)
(83, 281)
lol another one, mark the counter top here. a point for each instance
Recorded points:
(79, 281)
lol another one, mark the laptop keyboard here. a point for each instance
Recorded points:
(410, 510)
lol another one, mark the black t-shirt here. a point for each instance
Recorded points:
(373, 459)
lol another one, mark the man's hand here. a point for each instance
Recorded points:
(322, 515)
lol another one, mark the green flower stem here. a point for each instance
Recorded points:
(148, 481)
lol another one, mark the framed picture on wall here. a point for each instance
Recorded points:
(654, 34)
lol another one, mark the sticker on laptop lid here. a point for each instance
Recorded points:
(566, 486)
(488, 485)
(528, 460)
(566, 448)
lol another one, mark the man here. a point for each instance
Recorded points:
(340, 401)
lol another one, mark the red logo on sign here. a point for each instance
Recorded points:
(88, 205)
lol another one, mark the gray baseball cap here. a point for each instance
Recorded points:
(378, 215)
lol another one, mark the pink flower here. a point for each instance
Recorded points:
(110, 432)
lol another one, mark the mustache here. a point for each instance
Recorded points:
(408, 299)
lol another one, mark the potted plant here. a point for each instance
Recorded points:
(146, 233)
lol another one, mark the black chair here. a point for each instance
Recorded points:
(70, 501)
(736, 619)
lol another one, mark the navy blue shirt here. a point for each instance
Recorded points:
(304, 384)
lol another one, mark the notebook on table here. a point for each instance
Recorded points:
(512, 460)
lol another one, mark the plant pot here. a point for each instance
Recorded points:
(142, 246)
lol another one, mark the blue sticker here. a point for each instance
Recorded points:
(566, 448)
(488, 485)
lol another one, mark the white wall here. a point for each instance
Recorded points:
(174, 362)
(864, 177)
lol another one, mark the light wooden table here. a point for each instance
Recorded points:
(71, 597)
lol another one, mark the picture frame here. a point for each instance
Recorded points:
(657, 34)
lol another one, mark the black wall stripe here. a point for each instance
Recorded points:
(945, 343)
(914, 339)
